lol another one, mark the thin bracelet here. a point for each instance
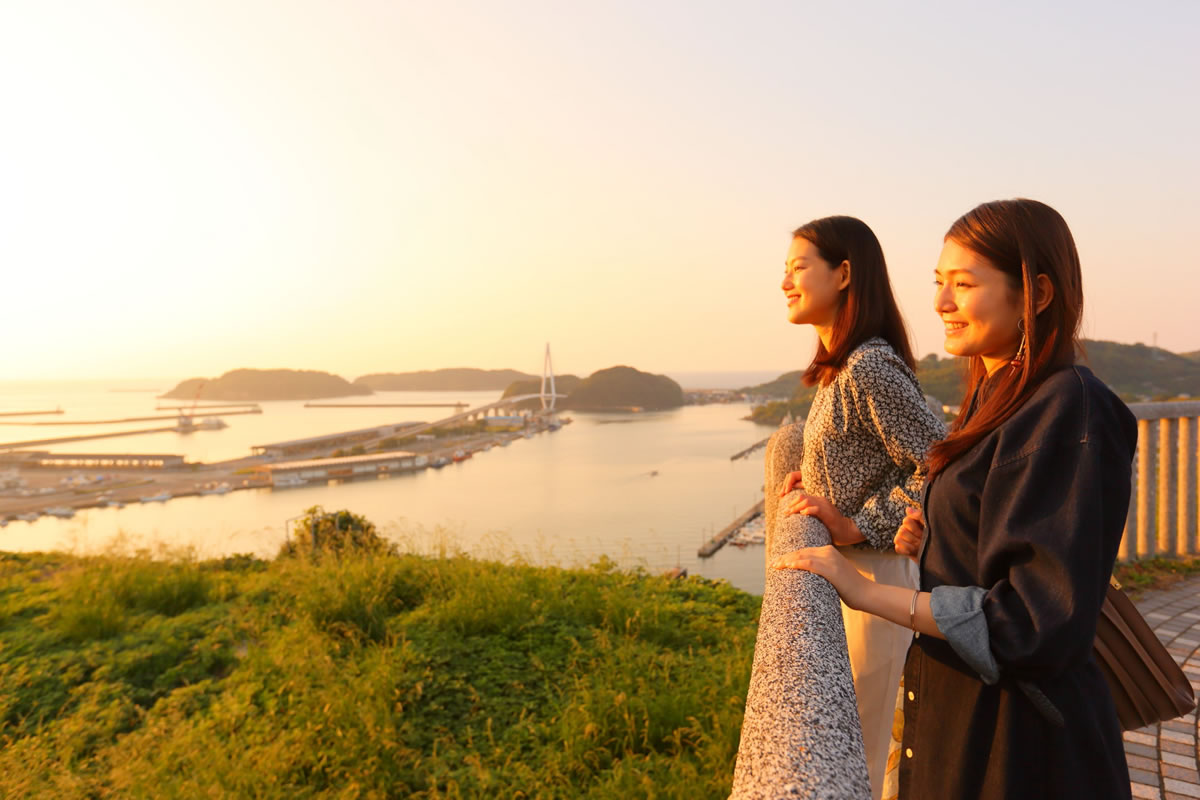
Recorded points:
(912, 610)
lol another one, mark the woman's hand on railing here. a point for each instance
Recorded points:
(910, 533)
(793, 480)
(831, 565)
(842, 529)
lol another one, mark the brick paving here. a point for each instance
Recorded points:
(1163, 759)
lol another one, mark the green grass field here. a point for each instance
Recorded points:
(372, 675)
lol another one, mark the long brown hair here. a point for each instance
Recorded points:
(1023, 239)
(867, 307)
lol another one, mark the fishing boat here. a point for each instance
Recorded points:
(29, 516)
(64, 512)
(161, 497)
(461, 455)
(439, 462)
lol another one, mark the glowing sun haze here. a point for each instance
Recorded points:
(190, 187)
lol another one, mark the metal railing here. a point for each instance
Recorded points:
(1162, 518)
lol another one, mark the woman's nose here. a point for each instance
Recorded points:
(943, 299)
(786, 283)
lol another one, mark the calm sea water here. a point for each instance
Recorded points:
(560, 498)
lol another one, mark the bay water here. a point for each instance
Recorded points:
(643, 489)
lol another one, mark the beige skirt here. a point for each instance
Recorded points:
(877, 652)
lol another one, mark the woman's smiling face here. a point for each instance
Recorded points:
(978, 306)
(812, 285)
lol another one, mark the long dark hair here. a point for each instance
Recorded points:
(867, 306)
(1023, 239)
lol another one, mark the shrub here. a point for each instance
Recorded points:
(334, 533)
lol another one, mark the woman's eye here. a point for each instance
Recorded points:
(962, 285)
(937, 283)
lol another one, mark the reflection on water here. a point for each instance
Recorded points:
(643, 489)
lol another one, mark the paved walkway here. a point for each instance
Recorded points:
(1163, 758)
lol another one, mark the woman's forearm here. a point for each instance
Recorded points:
(893, 604)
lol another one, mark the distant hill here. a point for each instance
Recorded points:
(1134, 371)
(943, 378)
(783, 386)
(622, 388)
(267, 384)
(462, 379)
(1137, 372)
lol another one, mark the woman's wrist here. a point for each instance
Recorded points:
(848, 533)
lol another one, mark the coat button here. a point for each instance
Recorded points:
(908, 752)
(917, 635)
(912, 696)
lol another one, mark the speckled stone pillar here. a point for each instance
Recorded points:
(801, 736)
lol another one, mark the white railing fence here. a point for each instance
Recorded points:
(1162, 518)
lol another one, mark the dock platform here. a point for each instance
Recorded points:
(717, 542)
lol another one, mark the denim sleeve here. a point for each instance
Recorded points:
(958, 613)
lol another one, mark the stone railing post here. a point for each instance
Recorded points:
(801, 735)
(1163, 518)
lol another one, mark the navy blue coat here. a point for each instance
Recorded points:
(1033, 514)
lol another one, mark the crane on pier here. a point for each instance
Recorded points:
(187, 422)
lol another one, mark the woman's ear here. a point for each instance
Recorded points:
(1043, 295)
(844, 276)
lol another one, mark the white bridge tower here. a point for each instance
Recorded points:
(548, 373)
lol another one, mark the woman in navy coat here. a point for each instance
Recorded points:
(1024, 510)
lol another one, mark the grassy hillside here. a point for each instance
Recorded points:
(368, 676)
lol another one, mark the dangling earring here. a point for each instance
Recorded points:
(1019, 358)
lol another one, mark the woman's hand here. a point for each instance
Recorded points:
(841, 528)
(792, 480)
(832, 566)
(910, 533)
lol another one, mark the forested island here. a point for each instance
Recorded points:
(623, 388)
(253, 385)
(614, 389)
(458, 379)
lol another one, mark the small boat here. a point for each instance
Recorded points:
(215, 488)
(212, 424)
(29, 516)
(439, 462)
(115, 504)
(64, 512)
(161, 497)
(461, 455)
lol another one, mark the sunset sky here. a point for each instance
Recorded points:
(190, 187)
